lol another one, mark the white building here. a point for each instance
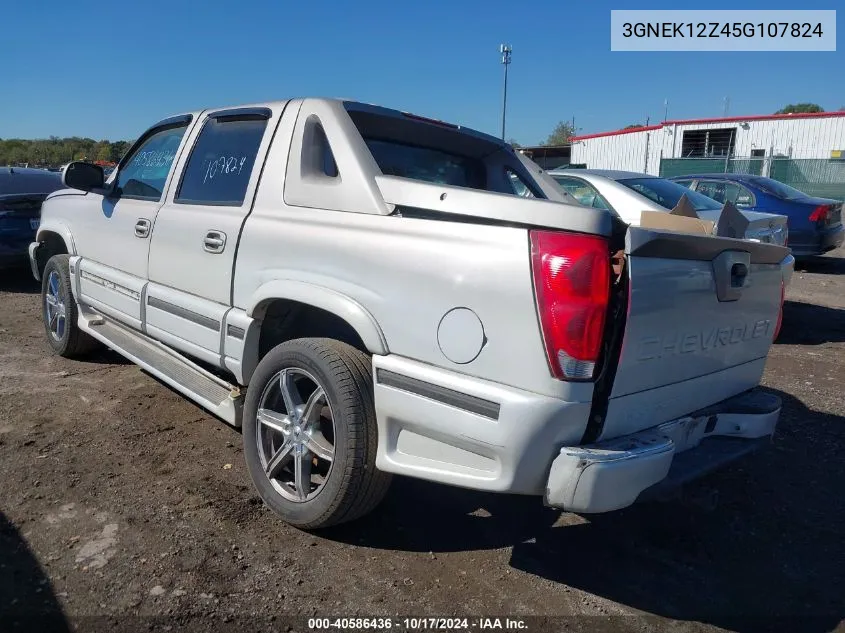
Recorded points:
(820, 135)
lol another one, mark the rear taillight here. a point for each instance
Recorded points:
(572, 287)
(780, 313)
(821, 213)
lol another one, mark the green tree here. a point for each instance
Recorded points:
(632, 126)
(513, 142)
(55, 151)
(561, 134)
(102, 151)
(795, 108)
(118, 149)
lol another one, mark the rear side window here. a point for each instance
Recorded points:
(221, 162)
(518, 185)
(744, 198)
(719, 190)
(143, 175)
(583, 192)
(726, 191)
(429, 165)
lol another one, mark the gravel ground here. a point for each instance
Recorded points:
(125, 506)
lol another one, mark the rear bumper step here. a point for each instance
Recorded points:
(709, 456)
(613, 474)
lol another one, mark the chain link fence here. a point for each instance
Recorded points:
(814, 176)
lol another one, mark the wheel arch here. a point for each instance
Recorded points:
(57, 232)
(317, 311)
(53, 239)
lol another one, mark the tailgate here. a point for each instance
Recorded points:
(701, 316)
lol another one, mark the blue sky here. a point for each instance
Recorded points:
(109, 69)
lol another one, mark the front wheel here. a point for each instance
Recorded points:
(60, 312)
(310, 433)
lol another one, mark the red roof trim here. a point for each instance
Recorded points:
(644, 128)
(731, 119)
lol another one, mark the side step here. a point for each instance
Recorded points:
(209, 391)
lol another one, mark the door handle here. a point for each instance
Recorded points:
(142, 228)
(214, 242)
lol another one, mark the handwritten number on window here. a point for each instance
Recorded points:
(228, 165)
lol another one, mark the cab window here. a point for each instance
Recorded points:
(144, 173)
(220, 165)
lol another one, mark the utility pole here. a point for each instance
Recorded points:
(665, 109)
(505, 50)
(727, 106)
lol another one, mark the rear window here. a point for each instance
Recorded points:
(408, 146)
(778, 189)
(426, 164)
(667, 193)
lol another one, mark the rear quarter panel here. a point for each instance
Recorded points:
(408, 273)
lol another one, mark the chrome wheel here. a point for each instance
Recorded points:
(295, 434)
(55, 306)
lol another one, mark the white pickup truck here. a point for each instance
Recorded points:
(368, 292)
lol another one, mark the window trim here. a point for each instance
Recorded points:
(241, 114)
(223, 116)
(182, 120)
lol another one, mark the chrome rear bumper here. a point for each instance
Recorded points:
(613, 474)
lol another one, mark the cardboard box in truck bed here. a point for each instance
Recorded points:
(683, 219)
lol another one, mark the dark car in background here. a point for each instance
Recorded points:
(815, 224)
(22, 191)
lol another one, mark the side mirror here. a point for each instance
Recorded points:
(83, 176)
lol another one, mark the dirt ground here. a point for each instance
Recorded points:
(123, 504)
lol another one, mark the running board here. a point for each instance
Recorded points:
(209, 391)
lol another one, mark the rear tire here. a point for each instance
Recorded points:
(60, 312)
(316, 467)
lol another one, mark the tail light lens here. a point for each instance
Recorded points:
(572, 287)
(780, 313)
(821, 213)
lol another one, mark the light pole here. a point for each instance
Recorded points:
(505, 50)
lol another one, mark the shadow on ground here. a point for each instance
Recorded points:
(27, 601)
(810, 324)
(105, 356)
(764, 558)
(826, 265)
(18, 279)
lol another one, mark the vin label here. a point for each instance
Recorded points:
(723, 30)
